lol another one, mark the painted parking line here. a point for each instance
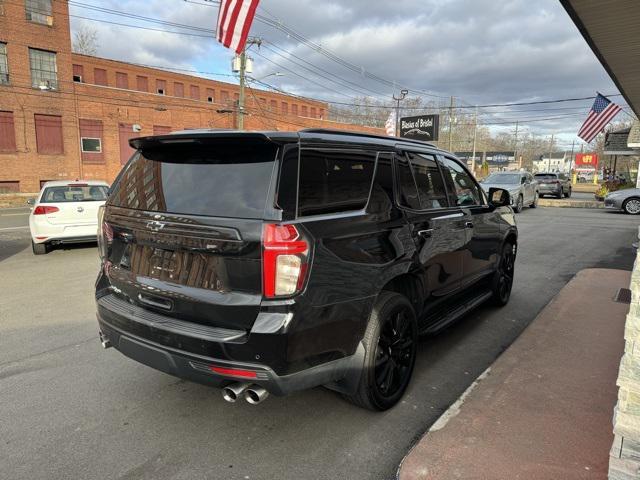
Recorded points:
(13, 228)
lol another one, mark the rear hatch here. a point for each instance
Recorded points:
(548, 179)
(185, 220)
(77, 203)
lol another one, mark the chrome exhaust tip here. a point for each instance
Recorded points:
(255, 394)
(104, 340)
(231, 392)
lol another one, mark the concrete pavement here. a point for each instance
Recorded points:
(544, 410)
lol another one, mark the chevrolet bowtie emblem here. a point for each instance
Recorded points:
(155, 226)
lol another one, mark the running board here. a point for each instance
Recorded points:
(449, 316)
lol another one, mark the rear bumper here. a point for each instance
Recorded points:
(62, 233)
(342, 374)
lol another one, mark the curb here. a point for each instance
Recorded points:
(566, 203)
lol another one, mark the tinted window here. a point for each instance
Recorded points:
(503, 178)
(408, 189)
(215, 177)
(334, 181)
(288, 183)
(464, 191)
(546, 176)
(431, 189)
(382, 192)
(89, 193)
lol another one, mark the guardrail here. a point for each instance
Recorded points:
(624, 459)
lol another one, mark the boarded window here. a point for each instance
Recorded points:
(161, 130)
(4, 65)
(211, 96)
(294, 109)
(305, 111)
(273, 105)
(78, 73)
(10, 186)
(142, 83)
(224, 96)
(100, 76)
(44, 70)
(195, 92)
(284, 107)
(39, 11)
(7, 132)
(91, 138)
(321, 114)
(122, 80)
(49, 134)
(178, 89)
(161, 87)
(313, 112)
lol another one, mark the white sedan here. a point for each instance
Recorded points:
(66, 212)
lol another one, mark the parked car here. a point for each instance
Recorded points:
(521, 186)
(65, 212)
(270, 262)
(627, 200)
(556, 184)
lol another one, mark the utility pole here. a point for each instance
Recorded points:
(574, 175)
(403, 93)
(243, 80)
(475, 137)
(550, 151)
(515, 146)
(451, 124)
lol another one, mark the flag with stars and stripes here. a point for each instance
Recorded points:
(234, 21)
(602, 112)
(390, 125)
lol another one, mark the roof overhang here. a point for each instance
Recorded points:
(611, 28)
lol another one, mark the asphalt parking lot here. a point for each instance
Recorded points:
(69, 409)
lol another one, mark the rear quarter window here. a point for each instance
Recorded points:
(333, 181)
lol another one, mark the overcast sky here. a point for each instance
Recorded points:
(480, 51)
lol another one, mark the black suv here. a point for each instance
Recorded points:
(270, 262)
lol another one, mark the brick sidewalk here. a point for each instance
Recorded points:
(544, 411)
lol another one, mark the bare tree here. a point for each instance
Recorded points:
(85, 41)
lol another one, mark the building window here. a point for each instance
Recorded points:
(161, 87)
(1, 7)
(4, 65)
(284, 107)
(44, 70)
(211, 96)
(178, 89)
(294, 109)
(142, 83)
(49, 134)
(7, 133)
(195, 92)
(224, 96)
(11, 186)
(321, 114)
(91, 145)
(122, 80)
(39, 11)
(273, 105)
(100, 76)
(91, 141)
(78, 73)
(313, 112)
(305, 111)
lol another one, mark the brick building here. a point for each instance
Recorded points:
(65, 115)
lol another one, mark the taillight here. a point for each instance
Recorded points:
(45, 210)
(284, 260)
(105, 234)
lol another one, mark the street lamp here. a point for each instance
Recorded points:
(274, 74)
(403, 94)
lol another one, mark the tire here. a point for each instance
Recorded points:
(387, 369)
(502, 282)
(631, 206)
(39, 248)
(519, 204)
(560, 194)
(535, 201)
(568, 194)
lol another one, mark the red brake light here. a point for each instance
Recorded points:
(233, 372)
(284, 260)
(45, 210)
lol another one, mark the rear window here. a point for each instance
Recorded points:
(214, 177)
(89, 193)
(334, 181)
(546, 176)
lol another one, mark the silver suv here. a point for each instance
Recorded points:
(522, 187)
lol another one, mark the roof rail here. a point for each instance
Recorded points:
(364, 134)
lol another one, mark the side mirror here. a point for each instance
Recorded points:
(31, 202)
(499, 197)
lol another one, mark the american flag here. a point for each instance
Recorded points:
(390, 125)
(234, 21)
(601, 113)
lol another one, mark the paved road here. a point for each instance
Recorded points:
(14, 228)
(71, 410)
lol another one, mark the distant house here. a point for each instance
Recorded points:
(559, 162)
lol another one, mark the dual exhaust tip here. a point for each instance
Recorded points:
(254, 394)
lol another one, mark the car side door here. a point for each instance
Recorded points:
(482, 226)
(434, 224)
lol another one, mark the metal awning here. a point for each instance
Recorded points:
(612, 30)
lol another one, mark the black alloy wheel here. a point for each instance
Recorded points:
(519, 204)
(503, 278)
(390, 343)
(535, 200)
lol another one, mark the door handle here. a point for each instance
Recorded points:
(468, 224)
(425, 233)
